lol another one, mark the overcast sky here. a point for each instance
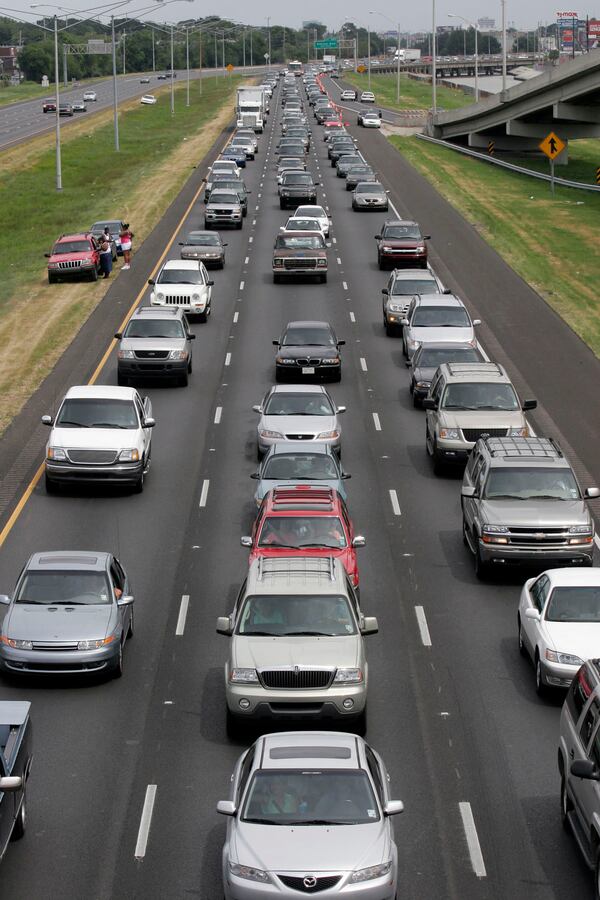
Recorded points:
(412, 17)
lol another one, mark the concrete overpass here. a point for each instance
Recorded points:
(564, 99)
(455, 66)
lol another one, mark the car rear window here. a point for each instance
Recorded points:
(433, 357)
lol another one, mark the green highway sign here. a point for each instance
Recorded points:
(329, 44)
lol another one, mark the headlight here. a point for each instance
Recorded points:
(284, 192)
(395, 307)
(284, 361)
(196, 298)
(495, 534)
(412, 343)
(56, 453)
(334, 361)
(250, 873)
(449, 434)
(565, 659)
(321, 263)
(243, 676)
(16, 645)
(420, 248)
(129, 455)
(96, 645)
(125, 354)
(267, 433)
(328, 435)
(349, 676)
(371, 872)
(580, 529)
(519, 432)
(278, 262)
(178, 354)
(53, 265)
(423, 385)
(386, 249)
(160, 296)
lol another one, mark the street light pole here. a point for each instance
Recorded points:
(369, 48)
(475, 27)
(434, 60)
(172, 78)
(503, 4)
(269, 27)
(244, 48)
(200, 52)
(216, 59)
(57, 100)
(187, 62)
(398, 70)
(65, 65)
(223, 49)
(114, 74)
(124, 36)
(153, 53)
(251, 56)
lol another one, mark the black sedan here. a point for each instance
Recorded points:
(308, 349)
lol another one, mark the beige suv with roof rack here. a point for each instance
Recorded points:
(296, 644)
(467, 401)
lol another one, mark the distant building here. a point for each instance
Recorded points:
(8, 60)
(486, 24)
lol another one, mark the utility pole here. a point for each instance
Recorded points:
(200, 50)
(187, 62)
(251, 57)
(269, 27)
(244, 47)
(114, 74)
(284, 44)
(153, 53)
(216, 59)
(223, 49)
(503, 5)
(124, 36)
(172, 77)
(57, 99)
(308, 46)
(369, 49)
(398, 71)
(434, 60)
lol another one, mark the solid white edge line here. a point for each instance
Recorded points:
(339, 261)
(236, 316)
(472, 839)
(363, 364)
(183, 611)
(395, 503)
(423, 626)
(218, 412)
(228, 359)
(204, 492)
(376, 422)
(145, 822)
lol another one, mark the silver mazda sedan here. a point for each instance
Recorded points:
(71, 613)
(309, 811)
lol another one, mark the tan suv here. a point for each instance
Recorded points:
(296, 644)
(467, 401)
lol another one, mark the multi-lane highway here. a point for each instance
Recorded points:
(452, 707)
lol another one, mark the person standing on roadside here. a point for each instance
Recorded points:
(106, 253)
(126, 236)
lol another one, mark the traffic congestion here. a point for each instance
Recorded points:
(267, 361)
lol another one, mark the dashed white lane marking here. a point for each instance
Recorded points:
(423, 627)
(395, 503)
(254, 221)
(242, 285)
(218, 414)
(334, 240)
(363, 364)
(250, 239)
(376, 421)
(183, 611)
(345, 285)
(228, 359)
(259, 196)
(352, 317)
(145, 822)
(472, 839)
(236, 316)
(339, 261)
(204, 492)
(247, 260)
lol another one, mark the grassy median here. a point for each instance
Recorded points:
(551, 242)
(413, 94)
(137, 184)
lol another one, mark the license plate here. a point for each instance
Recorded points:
(308, 370)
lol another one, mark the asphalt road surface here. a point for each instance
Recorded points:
(455, 717)
(20, 121)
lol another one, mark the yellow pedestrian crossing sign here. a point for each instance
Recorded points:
(552, 145)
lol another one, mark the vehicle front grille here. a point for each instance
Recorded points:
(96, 457)
(152, 354)
(400, 251)
(309, 884)
(177, 299)
(70, 264)
(296, 679)
(300, 437)
(538, 537)
(222, 212)
(306, 361)
(61, 648)
(300, 263)
(473, 434)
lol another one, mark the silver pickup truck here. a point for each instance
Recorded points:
(15, 766)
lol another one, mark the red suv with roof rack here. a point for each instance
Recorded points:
(74, 256)
(305, 520)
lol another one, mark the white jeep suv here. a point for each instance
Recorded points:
(183, 283)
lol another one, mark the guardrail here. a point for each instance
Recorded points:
(562, 182)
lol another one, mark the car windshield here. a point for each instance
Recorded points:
(201, 238)
(306, 242)
(97, 412)
(580, 603)
(310, 797)
(300, 467)
(440, 317)
(432, 357)
(402, 231)
(225, 198)
(297, 178)
(406, 286)
(180, 276)
(72, 247)
(154, 328)
(303, 225)
(305, 335)
(369, 189)
(302, 531)
(484, 395)
(64, 588)
(113, 227)
(301, 615)
(280, 404)
(531, 484)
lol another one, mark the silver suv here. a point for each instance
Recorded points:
(296, 643)
(579, 764)
(434, 318)
(521, 503)
(156, 343)
(465, 402)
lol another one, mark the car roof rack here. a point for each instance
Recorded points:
(523, 447)
(476, 368)
(296, 565)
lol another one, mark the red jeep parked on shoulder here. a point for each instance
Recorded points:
(74, 256)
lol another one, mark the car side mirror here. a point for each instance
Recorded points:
(210, 283)
(529, 404)
(592, 492)
(226, 808)
(476, 321)
(125, 600)
(341, 343)
(4, 599)
(359, 541)
(340, 410)
(224, 244)
(224, 626)
(404, 322)
(151, 281)
(47, 420)
(118, 335)
(393, 808)
(580, 768)
(426, 237)
(246, 541)
(257, 408)
(345, 476)
(532, 614)
(429, 403)
(369, 625)
(149, 422)
(275, 343)
(191, 336)
(11, 783)
(408, 363)
(181, 243)
(377, 237)
(467, 490)
(385, 291)
(255, 476)
(47, 255)
(446, 291)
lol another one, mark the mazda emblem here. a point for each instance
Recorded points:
(310, 881)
